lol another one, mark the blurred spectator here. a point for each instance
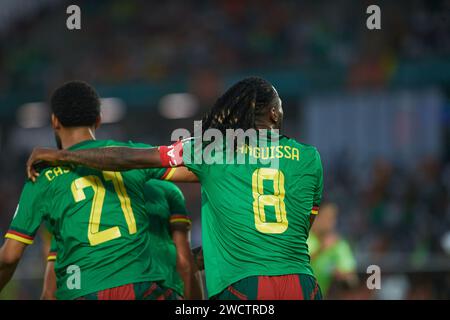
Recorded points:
(332, 258)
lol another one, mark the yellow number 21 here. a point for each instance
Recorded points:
(276, 200)
(96, 236)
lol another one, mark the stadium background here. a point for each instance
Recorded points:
(375, 103)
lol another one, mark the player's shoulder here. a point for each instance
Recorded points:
(41, 183)
(304, 147)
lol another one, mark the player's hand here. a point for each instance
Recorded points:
(41, 155)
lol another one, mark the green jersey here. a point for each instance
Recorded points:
(255, 216)
(99, 222)
(166, 205)
(338, 257)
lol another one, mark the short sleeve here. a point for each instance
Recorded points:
(28, 215)
(193, 156)
(318, 190)
(53, 250)
(159, 173)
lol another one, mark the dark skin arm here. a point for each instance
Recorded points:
(198, 256)
(49, 289)
(10, 254)
(105, 159)
(186, 266)
(312, 217)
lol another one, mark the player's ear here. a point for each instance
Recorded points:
(274, 115)
(55, 122)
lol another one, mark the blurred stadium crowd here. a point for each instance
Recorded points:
(393, 215)
(141, 40)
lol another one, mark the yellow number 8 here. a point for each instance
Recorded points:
(276, 200)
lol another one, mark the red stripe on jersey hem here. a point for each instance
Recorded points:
(166, 173)
(238, 294)
(22, 235)
(51, 256)
(315, 208)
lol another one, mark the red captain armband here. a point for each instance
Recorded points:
(171, 156)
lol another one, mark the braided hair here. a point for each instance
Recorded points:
(241, 105)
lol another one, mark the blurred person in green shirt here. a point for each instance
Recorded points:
(332, 259)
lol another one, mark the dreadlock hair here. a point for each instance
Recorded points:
(241, 105)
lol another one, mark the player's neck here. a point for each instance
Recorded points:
(267, 125)
(73, 136)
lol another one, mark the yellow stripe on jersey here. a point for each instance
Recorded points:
(51, 257)
(18, 238)
(170, 173)
(177, 220)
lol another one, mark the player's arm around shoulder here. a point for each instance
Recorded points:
(116, 158)
(107, 159)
